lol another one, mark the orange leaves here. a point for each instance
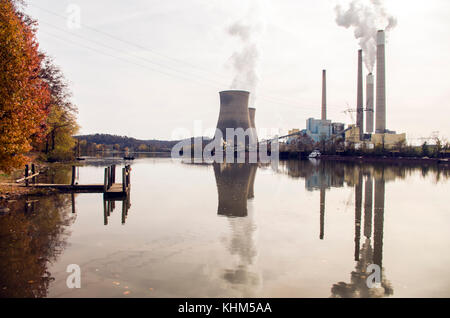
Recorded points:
(24, 96)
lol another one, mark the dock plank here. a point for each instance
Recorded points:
(96, 188)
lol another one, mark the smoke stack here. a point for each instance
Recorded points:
(233, 111)
(359, 100)
(251, 115)
(380, 116)
(369, 103)
(324, 95)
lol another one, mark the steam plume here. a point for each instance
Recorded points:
(244, 61)
(366, 18)
(245, 58)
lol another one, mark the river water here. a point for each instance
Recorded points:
(303, 229)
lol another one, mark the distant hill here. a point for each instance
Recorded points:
(130, 142)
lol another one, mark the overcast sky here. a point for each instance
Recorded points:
(143, 68)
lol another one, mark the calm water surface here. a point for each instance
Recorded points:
(308, 229)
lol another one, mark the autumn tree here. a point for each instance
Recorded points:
(61, 120)
(24, 95)
(143, 147)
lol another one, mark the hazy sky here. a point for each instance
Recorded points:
(144, 68)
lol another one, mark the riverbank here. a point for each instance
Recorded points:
(11, 190)
(385, 159)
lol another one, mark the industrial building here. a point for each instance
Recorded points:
(382, 136)
(235, 113)
(322, 129)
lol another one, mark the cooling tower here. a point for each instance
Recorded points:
(369, 103)
(380, 115)
(233, 111)
(359, 99)
(324, 95)
(251, 115)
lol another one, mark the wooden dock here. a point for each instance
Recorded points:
(109, 187)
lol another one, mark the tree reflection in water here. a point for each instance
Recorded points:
(32, 235)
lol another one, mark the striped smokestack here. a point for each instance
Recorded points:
(359, 99)
(324, 95)
(380, 115)
(369, 103)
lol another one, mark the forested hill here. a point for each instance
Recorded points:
(124, 141)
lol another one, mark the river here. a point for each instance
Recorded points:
(303, 229)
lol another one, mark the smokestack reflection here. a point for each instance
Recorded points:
(322, 213)
(379, 219)
(358, 204)
(366, 255)
(368, 189)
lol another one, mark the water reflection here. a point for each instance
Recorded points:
(109, 205)
(169, 256)
(323, 176)
(366, 255)
(235, 186)
(33, 234)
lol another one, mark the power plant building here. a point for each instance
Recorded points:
(382, 136)
(322, 129)
(319, 129)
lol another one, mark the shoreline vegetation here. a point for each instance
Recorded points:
(36, 111)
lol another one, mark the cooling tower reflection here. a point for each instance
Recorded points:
(235, 187)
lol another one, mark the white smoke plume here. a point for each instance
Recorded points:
(244, 61)
(366, 18)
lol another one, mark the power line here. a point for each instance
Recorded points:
(271, 99)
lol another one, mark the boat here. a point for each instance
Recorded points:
(314, 155)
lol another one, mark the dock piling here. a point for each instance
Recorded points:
(124, 186)
(72, 182)
(26, 175)
(105, 182)
(33, 173)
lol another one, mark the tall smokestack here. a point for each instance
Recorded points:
(369, 103)
(359, 100)
(380, 116)
(324, 95)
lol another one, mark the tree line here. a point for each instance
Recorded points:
(102, 142)
(36, 113)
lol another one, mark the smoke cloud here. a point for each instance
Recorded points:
(366, 18)
(244, 61)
